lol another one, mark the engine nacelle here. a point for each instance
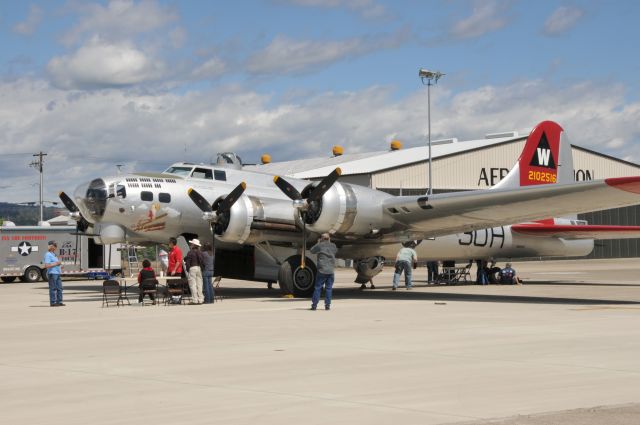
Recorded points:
(349, 211)
(367, 268)
(337, 210)
(236, 227)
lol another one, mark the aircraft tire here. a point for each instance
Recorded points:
(44, 275)
(8, 279)
(292, 279)
(32, 274)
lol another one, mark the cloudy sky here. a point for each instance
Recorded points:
(147, 83)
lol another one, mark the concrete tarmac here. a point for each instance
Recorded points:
(561, 349)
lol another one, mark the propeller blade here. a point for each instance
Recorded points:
(325, 184)
(199, 200)
(82, 224)
(71, 206)
(304, 243)
(231, 198)
(286, 188)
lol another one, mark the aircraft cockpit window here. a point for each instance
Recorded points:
(202, 173)
(180, 171)
(220, 175)
(121, 191)
(164, 197)
(146, 196)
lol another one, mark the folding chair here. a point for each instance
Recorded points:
(217, 291)
(112, 289)
(149, 287)
(176, 290)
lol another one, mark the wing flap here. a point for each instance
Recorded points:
(458, 212)
(590, 231)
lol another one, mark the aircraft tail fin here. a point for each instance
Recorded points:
(545, 159)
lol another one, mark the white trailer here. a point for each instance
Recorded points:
(22, 250)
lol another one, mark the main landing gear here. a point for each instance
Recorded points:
(293, 279)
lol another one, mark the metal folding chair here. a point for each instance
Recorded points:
(112, 289)
(149, 287)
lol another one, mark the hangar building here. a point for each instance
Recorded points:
(466, 165)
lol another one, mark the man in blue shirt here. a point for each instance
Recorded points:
(52, 264)
(326, 251)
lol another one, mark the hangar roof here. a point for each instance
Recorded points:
(370, 162)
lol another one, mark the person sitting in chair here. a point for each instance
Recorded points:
(508, 276)
(492, 271)
(146, 273)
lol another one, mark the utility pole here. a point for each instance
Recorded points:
(38, 164)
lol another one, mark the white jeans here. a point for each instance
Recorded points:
(195, 284)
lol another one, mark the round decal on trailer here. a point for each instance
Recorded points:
(24, 248)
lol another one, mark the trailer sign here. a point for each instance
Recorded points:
(22, 249)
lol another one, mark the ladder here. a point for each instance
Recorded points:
(132, 261)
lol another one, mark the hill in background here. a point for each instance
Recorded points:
(26, 215)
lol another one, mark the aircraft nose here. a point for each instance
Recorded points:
(91, 199)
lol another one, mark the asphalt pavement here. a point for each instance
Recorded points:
(562, 348)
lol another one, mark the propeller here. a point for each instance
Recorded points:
(218, 213)
(81, 223)
(308, 203)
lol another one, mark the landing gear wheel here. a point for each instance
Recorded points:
(295, 280)
(8, 279)
(32, 274)
(45, 276)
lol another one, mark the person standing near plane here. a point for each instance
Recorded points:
(53, 266)
(195, 262)
(405, 260)
(207, 273)
(175, 258)
(432, 271)
(326, 251)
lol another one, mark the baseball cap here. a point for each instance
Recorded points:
(53, 243)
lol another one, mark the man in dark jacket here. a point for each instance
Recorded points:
(326, 251)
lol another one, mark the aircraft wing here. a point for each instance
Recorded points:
(449, 213)
(590, 231)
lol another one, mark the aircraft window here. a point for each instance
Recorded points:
(220, 175)
(180, 171)
(202, 173)
(121, 191)
(146, 196)
(164, 197)
(393, 210)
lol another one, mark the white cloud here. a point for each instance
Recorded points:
(99, 64)
(369, 9)
(211, 69)
(119, 19)
(87, 133)
(562, 19)
(177, 37)
(487, 16)
(286, 55)
(28, 26)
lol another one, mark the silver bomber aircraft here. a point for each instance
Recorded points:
(261, 224)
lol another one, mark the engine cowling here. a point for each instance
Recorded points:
(335, 212)
(368, 268)
(235, 226)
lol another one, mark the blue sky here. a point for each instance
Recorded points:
(146, 83)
